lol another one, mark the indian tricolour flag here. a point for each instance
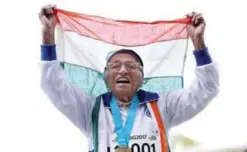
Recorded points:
(84, 42)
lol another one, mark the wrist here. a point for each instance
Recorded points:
(198, 43)
(48, 36)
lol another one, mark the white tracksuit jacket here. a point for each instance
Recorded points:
(175, 107)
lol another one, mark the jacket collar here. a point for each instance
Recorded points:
(143, 96)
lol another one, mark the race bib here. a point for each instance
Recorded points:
(140, 143)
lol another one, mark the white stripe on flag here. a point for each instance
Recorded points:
(160, 59)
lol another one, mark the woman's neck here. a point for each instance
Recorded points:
(123, 104)
(125, 99)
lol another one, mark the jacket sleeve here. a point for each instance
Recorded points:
(183, 104)
(67, 98)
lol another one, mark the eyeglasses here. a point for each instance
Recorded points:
(128, 65)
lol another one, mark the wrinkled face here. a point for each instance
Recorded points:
(124, 74)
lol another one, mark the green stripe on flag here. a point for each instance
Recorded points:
(92, 81)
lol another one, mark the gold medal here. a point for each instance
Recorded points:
(123, 149)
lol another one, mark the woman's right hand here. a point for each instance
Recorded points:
(48, 22)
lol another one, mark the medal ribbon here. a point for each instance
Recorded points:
(123, 133)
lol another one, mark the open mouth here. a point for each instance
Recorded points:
(123, 81)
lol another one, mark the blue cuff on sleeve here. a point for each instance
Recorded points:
(48, 52)
(202, 57)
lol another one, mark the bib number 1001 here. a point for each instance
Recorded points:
(145, 147)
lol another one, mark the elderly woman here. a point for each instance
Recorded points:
(127, 118)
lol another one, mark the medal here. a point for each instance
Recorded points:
(123, 149)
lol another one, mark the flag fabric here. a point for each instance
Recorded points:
(84, 42)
